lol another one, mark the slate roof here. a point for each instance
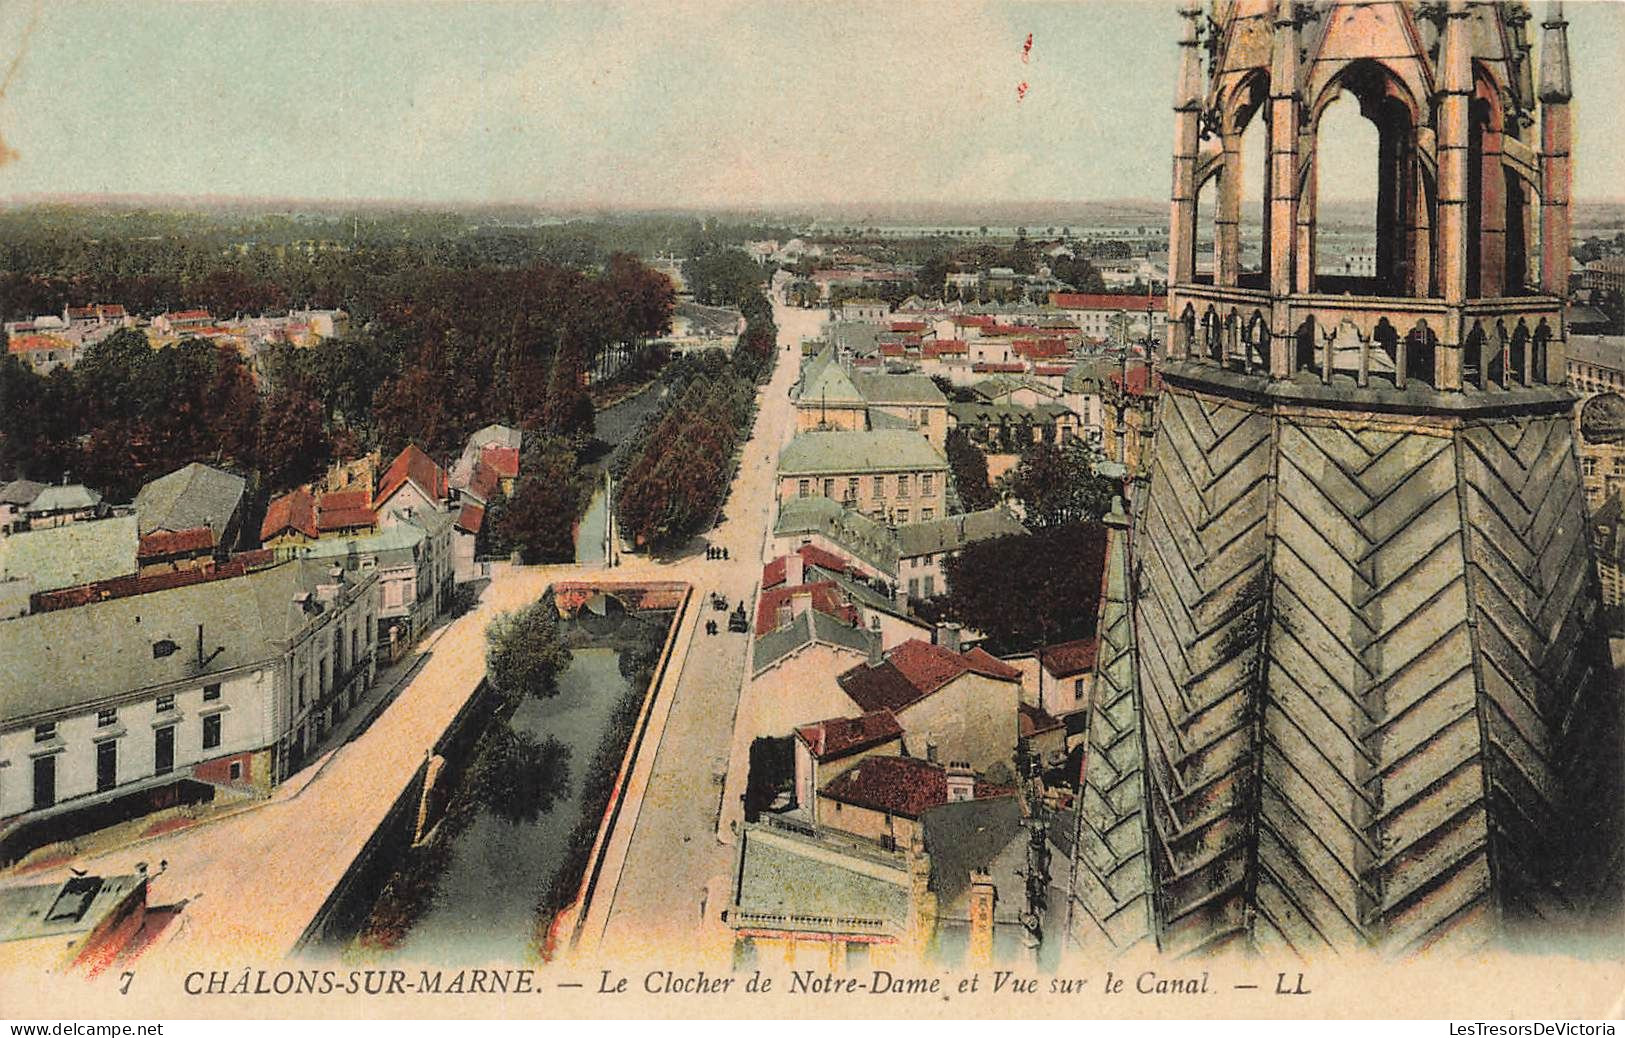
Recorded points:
(828, 383)
(808, 628)
(832, 453)
(871, 541)
(20, 492)
(1089, 374)
(74, 553)
(899, 389)
(815, 885)
(71, 498)
(393, 546)
(71, 658)
(193, 496)
(953, 532)
(842, 736)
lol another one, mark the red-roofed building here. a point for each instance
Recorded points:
(412, 481)
(884, 797)
(41, 352)
(290, 519)
(908, 326)
(344, 512)
(165, 551)
(1066, 675)
(946, 348)
(952, 706)
(829, 749)
(1095, 313)
(1136, 408)
(999, 368)
(504, 461)
(470, 518)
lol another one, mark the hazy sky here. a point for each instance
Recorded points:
(670, 103)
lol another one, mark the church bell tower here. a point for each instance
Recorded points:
(1362, 697)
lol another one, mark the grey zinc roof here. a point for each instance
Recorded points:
(817, 884)
(879, 419)
(71, 554)
(828, 382)
(20, 492)
(70, 658)
(871, 541)
(1089, 373)
(899, 389)
(882, 450)
(804, 629)
(1605, 351)
(955, 531)
(391, 546)
(196, 495)
(68, 498)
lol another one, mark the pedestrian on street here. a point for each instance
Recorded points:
(725, 555)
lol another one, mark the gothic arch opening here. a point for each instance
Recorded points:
(1345, 195)
(1401, 245)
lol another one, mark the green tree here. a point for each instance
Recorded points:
(525, 652)
(969, 466)
(1057, 484)
(1027, 591)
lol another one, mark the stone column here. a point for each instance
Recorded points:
(1556, 91)
(1282, 177)
(1456, 77)
(1227, 218)
(1182, 218)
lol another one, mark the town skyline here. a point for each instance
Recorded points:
(567, 106)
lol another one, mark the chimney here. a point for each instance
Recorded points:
(876, 654)
(982, 899)
(947, 635)
(795, 569)
(961, 781)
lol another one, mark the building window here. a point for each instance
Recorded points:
(851, 488)
(236, 771)
(211, 693)
(930, 586)
(211, 731)
(925, 484)
(1077, 689)
(928, 513)
(829, 488)
(301, 691)
(106, 765)
(902, 486)
(166, 702)
(106, 718)
(44, 732)
(880, 486)
(321, 680)
(902, 515)
(803, 488)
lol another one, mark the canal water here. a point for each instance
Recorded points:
(590, 533)
(497, 871)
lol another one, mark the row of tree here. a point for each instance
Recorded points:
(677, 471)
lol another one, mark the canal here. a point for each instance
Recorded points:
(471, 895)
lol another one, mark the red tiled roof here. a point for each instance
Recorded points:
(813, 555)
(999, 367)
(773, 574)
(891, 349)
(344, 510)
(946, 346)
(1137, 381)
(1071, 658)
(1050, 369)
(908, 326)
(471, 518)
(903, 786)
(914, 670)
(840, 736)
(504, 461)
(29, 343)
(483, 482)
(825, 597)
(1098, 301)
(189, 315)
(295, 510)
(412, 464)
(1005, 329)
(1032, 720)
(175, 542)
(1037, 348)
(974, 320)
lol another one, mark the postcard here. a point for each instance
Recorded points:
(1104, 509)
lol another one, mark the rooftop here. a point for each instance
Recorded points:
(831, 453)
(841, 736)
(913, 670)
(953, 532)
(193, 496)
(71, 554)
(904, 786)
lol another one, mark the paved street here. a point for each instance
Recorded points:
(284, 856)
(674, 862)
